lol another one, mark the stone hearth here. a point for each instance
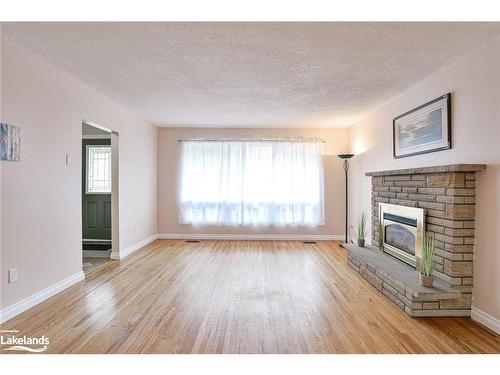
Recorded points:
(447, 193)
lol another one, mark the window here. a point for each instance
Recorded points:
(98, 169)
(268, 182)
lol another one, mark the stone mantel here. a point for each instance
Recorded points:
(450, 168)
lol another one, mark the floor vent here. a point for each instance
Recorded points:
(309, 242)
(192, 241)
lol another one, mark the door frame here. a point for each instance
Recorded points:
(87, 142)
(115, 188)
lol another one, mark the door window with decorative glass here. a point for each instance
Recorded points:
(98, 169)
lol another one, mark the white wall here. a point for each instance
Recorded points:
(1, 163)
(41, 196)
(168, 171)
(474, 82)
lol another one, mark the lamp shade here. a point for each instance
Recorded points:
(345, 156)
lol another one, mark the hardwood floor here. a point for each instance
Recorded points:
(238, 297)
(92, 263)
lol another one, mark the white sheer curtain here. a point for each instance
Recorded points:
(268, 182)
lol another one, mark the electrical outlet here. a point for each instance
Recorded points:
(12, 275)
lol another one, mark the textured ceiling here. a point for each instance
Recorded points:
(252, 74)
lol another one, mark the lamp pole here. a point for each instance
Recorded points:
(345, 158)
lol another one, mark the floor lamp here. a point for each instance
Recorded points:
(345, 158)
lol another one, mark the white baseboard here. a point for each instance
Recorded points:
(35, 299)
(485, 319)
(129, 250)
(249, 236)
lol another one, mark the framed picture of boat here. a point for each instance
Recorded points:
(426, 128)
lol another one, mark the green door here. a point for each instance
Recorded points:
(96, 189)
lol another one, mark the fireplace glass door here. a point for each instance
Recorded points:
(401, 232)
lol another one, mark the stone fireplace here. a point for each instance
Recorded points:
(405, 203)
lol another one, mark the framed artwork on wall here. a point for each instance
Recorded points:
(10, 142)
(426, 128)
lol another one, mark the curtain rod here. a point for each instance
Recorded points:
(254, 140)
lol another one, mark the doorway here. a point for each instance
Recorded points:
(99, 185)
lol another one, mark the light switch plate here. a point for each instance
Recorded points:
(68, 159)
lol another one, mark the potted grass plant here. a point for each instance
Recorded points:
(362, 230)
(426, 261)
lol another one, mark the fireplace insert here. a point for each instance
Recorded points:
(401, 232)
